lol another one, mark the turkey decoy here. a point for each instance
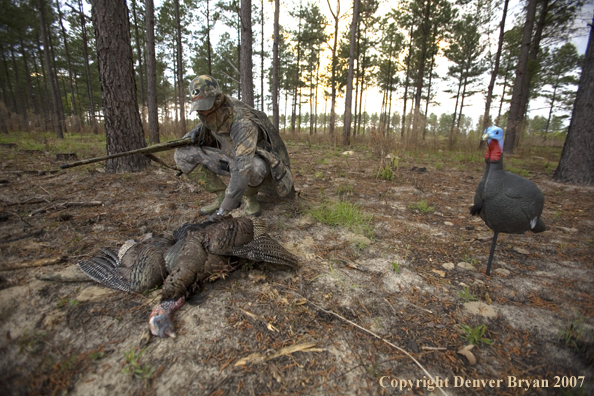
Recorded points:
(201, 252)
(505, 201)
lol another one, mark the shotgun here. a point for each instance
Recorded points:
(146, 151)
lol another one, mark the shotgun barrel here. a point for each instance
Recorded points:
(147, 150)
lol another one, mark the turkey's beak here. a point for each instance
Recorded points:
(161, 326)
(485, 136)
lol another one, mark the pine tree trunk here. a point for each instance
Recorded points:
(70, 77)
(34, 103)
(262, 58)
(336, 17)
(123, 128)
(275, 67)
(208, 45)
(54, 76)
(246, 63)
(406, 83)
(48, 68)
(151, 74)
(577, 159)
(180, 72)
(346, 136)
(515, 117)
(421, 72)
(139, 54)
(495, 71)
(21, 98)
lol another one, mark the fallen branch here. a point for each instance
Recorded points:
(28, 202)
(36, 263)
(428, 348)
(65, 205)
(23, 236)
(269, 325)
(62, 278)
(259, 358)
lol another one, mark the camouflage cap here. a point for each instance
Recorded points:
(203, 92)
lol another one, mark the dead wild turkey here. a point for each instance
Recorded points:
(505, 201)
(198, 253)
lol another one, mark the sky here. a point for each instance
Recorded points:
(474, 106)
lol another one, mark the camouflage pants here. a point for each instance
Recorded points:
(189, 157)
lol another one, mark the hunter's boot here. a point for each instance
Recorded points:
(211, 183)
(250, 202)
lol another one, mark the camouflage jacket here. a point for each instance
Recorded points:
(242, 131)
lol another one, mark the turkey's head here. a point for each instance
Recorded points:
(494, 137)
(161, 319)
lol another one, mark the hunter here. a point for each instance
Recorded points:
(233, 139)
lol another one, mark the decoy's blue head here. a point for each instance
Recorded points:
(494, 137)
(493, 133)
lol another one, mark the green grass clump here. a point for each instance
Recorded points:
(518, 171)
(343, 214)
(421, 206)
(395, 267)
(386, 173)
(344, 189)
(466, 295)
(475, 335)
(134, 368)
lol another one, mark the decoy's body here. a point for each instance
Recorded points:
(505, 201)
(197, 253)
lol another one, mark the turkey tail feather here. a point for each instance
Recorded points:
(104, 270)
(264, 248)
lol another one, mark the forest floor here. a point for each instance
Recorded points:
(410, 277)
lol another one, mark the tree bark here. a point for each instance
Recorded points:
(70, 77)
(123, 128)
(28, 78)
(262, 58)
(515, 116)
(275, 67)
(139, 54)
(336, 17)
(180, 72)
(421, 72)
(487, 116)
(346, 136)
(246, 63)
(151, 74)
(48, 68)
(577, 158)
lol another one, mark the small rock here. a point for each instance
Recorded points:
(448, 266)
(358, 239)
(256, 276)
(466, 266)
(448, 223)
(94, 293)
(488, 298)
(521, 251)
(568, 230)
(501, 272)
(54, 318)
(440, 273)
(350, 152)
(479, 308)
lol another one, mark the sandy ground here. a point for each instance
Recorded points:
(338, 325)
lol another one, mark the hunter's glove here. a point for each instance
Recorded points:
(197, 135)
(219, 213)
